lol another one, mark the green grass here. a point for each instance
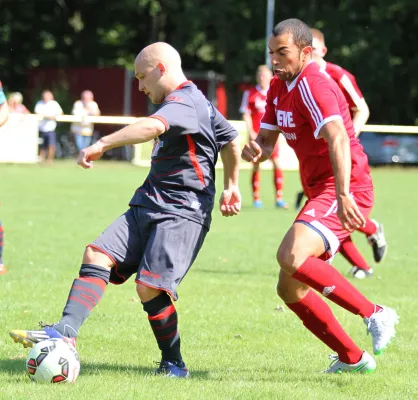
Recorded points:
(235, 343)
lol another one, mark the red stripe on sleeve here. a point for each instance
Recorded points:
(163, 120)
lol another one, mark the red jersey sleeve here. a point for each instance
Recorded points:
(351, 91)
(319, 102)
(269, 120)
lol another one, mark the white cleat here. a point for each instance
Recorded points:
(365, 365)
(359, 273)
(381, 325)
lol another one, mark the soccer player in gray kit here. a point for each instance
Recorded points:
(160, 235)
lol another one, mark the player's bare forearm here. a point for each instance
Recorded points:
(141, 131)
(339, 151)
(266, 139)
(360, 117)
(230, 155)
(4, 113)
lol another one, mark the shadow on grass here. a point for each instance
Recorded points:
(15, 368)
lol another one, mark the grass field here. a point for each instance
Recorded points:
(236, 344)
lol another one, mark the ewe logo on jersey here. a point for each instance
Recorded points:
(285, 119)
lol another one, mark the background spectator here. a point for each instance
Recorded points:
(49, 109)
(16, 104)
(252, 108)
(83, 131)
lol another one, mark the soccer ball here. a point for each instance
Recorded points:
(53, 361)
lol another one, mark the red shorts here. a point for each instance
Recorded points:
(320, 213)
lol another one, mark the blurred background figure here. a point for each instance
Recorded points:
(4, 107)
(252, 109)
(49, 109)
(83, 131)
(359, 109)
(16, 104)
(4, 114)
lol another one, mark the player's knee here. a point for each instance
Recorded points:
(286, 260)
(146, 293)
(289, 258)
(89, 256)
(96, 257)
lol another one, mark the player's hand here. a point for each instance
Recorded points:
(251, 151)
(230, 202)
(90, 154)
(349, 214)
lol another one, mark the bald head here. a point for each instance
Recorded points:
(160, 52)
(158, 70)
(319, 50)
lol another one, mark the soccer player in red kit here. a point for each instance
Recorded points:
(252, 109)
(307, 106)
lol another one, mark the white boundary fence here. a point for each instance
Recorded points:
(19, 138)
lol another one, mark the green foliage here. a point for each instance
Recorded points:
(373, 39)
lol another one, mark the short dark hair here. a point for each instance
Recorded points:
(301, 33)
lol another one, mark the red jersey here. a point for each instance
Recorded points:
(299, 110)
(254, 103)
(347, 84)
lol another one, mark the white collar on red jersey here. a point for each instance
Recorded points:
(259, 89)
(292, 84)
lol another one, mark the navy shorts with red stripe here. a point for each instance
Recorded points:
(158, 247)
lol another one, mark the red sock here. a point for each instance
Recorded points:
(278, 183)
(369, 229)
(324, 278)
(350, 252)
(317, 316)
(255, 182)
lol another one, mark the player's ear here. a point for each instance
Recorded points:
(324, 51)
(306, 52)
(162, 68)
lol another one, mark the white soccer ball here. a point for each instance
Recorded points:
(53, 361)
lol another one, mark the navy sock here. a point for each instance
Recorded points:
(162, 316)
(85, 293)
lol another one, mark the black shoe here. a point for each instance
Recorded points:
(299, 198)
(378, 243)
